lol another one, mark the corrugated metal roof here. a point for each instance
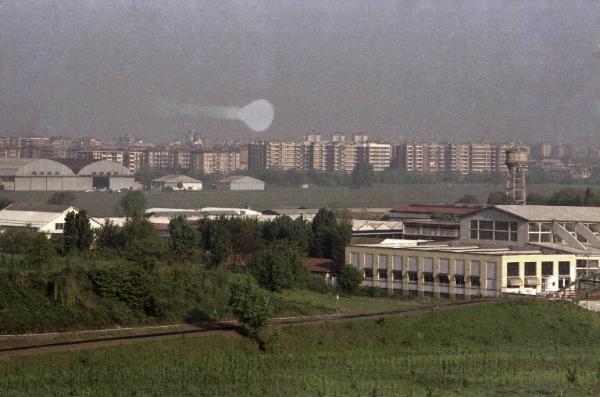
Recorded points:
(559, 213)
(239, 178)
(9, 167)
(177, 179)
(12, 217)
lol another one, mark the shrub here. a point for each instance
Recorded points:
(278, 267)
(349, 279)
(250, 305)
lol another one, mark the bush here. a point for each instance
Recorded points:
(278, 267)
(250, 305)
(349, 280)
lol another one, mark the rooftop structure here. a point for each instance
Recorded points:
(176, 182)
(41, 217)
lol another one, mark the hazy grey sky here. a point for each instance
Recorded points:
(442, 70)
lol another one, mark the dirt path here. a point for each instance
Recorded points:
(26, 344)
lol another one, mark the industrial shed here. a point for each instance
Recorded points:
(41, 217)
(103, 174)
(240, 183)
(176, 182)
(36, 174)
(51, 175)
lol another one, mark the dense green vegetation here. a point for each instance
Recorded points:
(133, 276)
(520, 348)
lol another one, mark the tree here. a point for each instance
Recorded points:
(362, 175)
(278, 267)
(468, 199)
(349, 279)
(250, 305)
(39, 249)
(142, 243)
(536, 198)
(61, 198)
(77, 233)
(184, 239)
(134, 202)
(330, 236)
(180, 185)
(109, 237)
(499, 197)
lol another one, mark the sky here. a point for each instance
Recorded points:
(459, 71)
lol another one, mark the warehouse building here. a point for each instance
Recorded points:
(501, 249)
(176, 182)
(240, 183)
(50, 175)
(41, 217)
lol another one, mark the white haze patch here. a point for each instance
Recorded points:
(257, 115)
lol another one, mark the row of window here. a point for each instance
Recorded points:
(411, 264)
(45, 173)
(493, 230)
(428, 277)
(564, 268)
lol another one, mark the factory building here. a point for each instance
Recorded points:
(50, 175)
(501, 249)
(40, 217)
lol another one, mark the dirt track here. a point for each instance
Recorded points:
(16, 345)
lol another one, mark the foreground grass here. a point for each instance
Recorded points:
(107, 204)
(517, 349)
(332, 303)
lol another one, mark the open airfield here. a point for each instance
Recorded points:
(517, 348)
(107, 204)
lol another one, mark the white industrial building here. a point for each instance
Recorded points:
(41, 217)
(49, 175)
(522, 249)
(176, 182)
(240, 183)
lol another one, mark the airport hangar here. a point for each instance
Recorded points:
(64, 175)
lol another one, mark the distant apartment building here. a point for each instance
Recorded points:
(458, 158)
(481, 158)
(378, 155)
(216, 162)
(420, 157)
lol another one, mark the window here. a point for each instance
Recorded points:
(564, 268)
(369, 260)
(56, 173)
(443, 278)
(459, 267)
(396, 274)
(368, 273)
(33, 172)
(428, 277)
(460, 280)
(383, 261)
(413, 277)
(540, 232)
(512, 269)
(475, 281)
(547, 268)
(530, 268)
(48, 172)
(493, 230)
(383, 274)
(397, 262)
(59, 226)
(354, 259)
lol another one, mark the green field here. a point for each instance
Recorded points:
(519, 348)
(107, 204)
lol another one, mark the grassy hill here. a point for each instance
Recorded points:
(521, 348)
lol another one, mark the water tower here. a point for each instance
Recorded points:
(516, 162)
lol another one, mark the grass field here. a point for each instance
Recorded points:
(107, 204)
(511, 349)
